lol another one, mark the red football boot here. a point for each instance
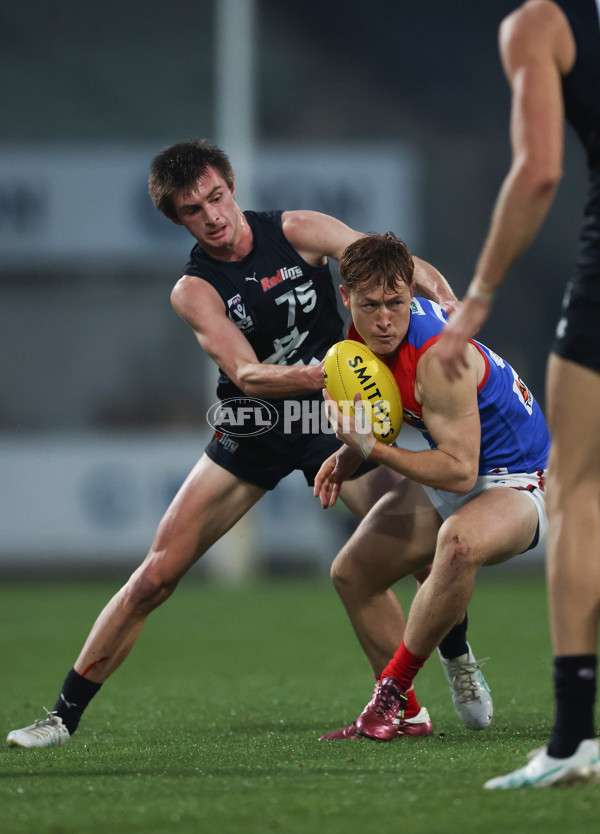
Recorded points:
(419, 725)
(344, 732)
(383, 715)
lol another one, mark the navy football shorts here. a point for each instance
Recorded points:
(578, 331)
(265, 459)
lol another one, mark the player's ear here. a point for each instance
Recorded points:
(345, 296)
(232, 188)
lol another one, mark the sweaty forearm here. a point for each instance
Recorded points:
(275, 381)
(521, 207)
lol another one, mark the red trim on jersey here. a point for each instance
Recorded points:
(426, 345)
(486, 374)
(354, 334)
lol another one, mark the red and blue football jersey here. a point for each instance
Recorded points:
(514, 433)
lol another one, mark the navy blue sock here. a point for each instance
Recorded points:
(75, 695)
(455, 642)
(575, 691)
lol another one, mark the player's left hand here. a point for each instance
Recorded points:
(332, 473)
(356, 431)
(462, 325)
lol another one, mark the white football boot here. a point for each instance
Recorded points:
(543, 770)
(471, 695)
(45, 732)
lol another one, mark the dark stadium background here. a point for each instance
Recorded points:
(419, 75)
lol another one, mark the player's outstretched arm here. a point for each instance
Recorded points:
(200, 306)
(317, 236)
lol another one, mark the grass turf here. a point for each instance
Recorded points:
(212, 724)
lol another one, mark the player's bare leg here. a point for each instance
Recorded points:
(374, 608)
(477, 534)
(361, 494)
(474, 535)
(395, 539)
(573, 552)
(382, 608)
(208, 504)
(573, 499)
(573, 573)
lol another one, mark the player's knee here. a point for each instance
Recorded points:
(147, 589)
(456, 552)
(338, 572)
(345, 574)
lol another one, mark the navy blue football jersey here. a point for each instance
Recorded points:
(285, 307)
(581, 90)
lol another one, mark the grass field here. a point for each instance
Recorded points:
(212, 724)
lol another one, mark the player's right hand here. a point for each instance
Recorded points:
(462, 325)
(316, 373)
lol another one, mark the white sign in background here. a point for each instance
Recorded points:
(93, 500)
(64, 205)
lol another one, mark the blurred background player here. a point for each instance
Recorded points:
(482, 474)
(551, 54)
(259, 296)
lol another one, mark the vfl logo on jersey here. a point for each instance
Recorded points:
(286, 273)
(236, 310)
(522, 392)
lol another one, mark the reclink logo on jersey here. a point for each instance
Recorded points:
(226, 442)
(286, 273)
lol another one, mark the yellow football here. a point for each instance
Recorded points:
(352, 368)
